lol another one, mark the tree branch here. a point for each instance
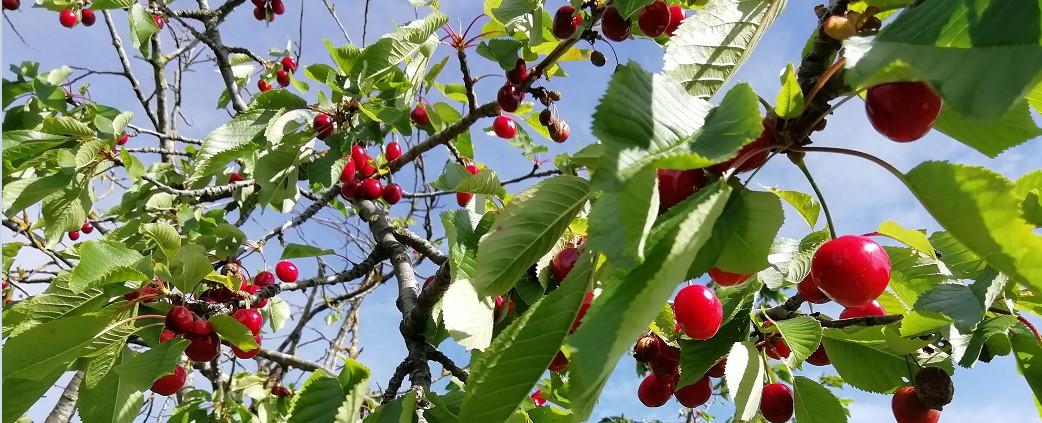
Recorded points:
(66, 406)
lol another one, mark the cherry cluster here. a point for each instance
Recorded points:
(285, 67)
(359, 179)
(204, 343)
(86, 228)
(265, 10)
(663, 360)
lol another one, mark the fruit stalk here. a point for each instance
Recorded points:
(817, 192)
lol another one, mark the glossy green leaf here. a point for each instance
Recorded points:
(867, 365)
(620, 221)
(234, 332)
(803, 336)
(101, 261)
(910, 237)
(142, 27)
(293, 251)
(1028, 352)
(456, 178)
(164, 236)
(990, 137)
(748, 227)
(805, 204)
(697, 357)
(789, 102)
(744, 375)
(816, 404)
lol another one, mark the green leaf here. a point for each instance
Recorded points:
(18, 401)
(955, 46)
(456, 178)
(803, 336)
(313, 403)
(354, 381)
(789, 102)
(990, 137)
(401, 410)
(112, 400)
(712, 44)
(912, 274)
(816, 404)
(164, 235)
(20, 194)
(996, 326)
(957, 302)
(974, 205)
(142, 28)
(697, 357)
(744, 377)
(628, 7)
(526, 229)
(277, 100)
(962, 262)
(234, 332)
(620, 221)
(25, 357)
(503, 50)
(231, 141)
(626, 307)
(805, 204)
(647, 120)
(111, 4)
(747, 229)
(1028, 352)
(277, 313)
(103, 261)
(505, 373)
(868, 365)
(65, 125)
(140, 371)
(393, 48)
(188, 267)
(300, 251)
(910, 237)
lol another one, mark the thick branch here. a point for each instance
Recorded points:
(355, 272)
(66, 406)
(202, 193)
(468, 82)
(419, 244)
(292, 361)
(447, 363)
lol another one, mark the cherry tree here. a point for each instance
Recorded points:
(136, 265)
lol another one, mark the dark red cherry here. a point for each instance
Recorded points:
(202, 347)
(653, 19)
(509, 97)
(537, 398)
(282, 77)
(871, 308)
(277, 7)
(166, 335)
(654, 390)
(87, 17)
(504, 127)
(264, 278)
(419, 116)
(201, 327)
(819, 357)
(753, 160)
(908, 409)
(695, 394)
(676, 16)
(347, 176)
(559, 364)
(235, 177)
(698, 311)
(251, 318)
(286, 271)
(583, 308)
(371, 189)
(777, 348)
(263, 85)
(123, 139)
(851, 269)
(666, 362)
(776, 403)
(518, 74)
(12, 4)
(563, 262)
(280, 391)
(171, 383)
(179, 319)
(359, 156)
(613, 26)
(566, 22)
(392, 151)
(258, 13)
(74, 235)
(718, 369)
(392, 193)
(289, 64)
(809, 291)
(322, 125)
(724, 278)
(902, 111)
(676, 185)
(158, 21)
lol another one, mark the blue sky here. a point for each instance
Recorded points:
(861, 196)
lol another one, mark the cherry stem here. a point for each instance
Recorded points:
(1030, 326)
(821, 197)
(740, 160)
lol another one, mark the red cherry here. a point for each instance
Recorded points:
(583, 308)
(676, 185)
(809, 291)
(166, 335)
(563, 262)
(87, 17)
(851, 269)
(537, 398)
(392, 193)
(201, 327)
(509, 97)
(263, 85)
(171, 383)
(202, 347)
(504, 127)
(666, 361)
(12, 4)
(566, 22)
(282, 77)
(902, 111)
(179, 319)
(419, 116)
(559, 364)
(676, 16)
(123, 139)
(74, 235)
(776, 403)
(698, 312)
(253, 289)
(286, 271)
(724, 278)
(718, 369)
(654, 390)
(348, 191)
(766, 139)
(777, 349)
(158, 20)
(258, 13)
(613, 26)
(280, 391)
(322, 124)
(359, 156)
(473, 169)
(264, 278)
(908, 409)
(463, 198)
(68, 18)
(871, 308)
(347, 176)
(250, 318)
(696, 394)
(289, 64)
(277, 7)
(504, 307)
(654, 19)
(371, 189)
(819, 357)
(518, 73)
(647, 348)
(248, 354)
(428, 282)
(392, 151)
